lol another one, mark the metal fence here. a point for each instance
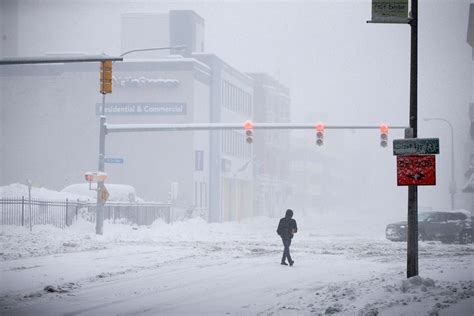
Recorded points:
(24, 212)
(141, 213)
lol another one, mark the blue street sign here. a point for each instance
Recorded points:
(113, 160)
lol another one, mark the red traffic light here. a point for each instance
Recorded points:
(248, 126)
(319, 127)
(319, 134)
(383, 135)
(89, 177)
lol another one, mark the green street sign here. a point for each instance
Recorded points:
(386, 10)
(416, 146)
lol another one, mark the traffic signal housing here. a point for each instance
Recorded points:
(96, 176)
(106, 77)
(383, 135)
(89, 176)
(248, 127)
(319, 134)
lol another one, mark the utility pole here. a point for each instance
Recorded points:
(394, 12)
(412, 234)
(105, 87)
(99, 222)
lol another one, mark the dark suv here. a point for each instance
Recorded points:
(454, 226)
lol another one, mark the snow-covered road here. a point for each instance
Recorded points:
(194, 268)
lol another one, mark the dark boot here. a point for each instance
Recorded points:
(284, 263)
(291, 263)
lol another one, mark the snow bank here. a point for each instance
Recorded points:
(19, 242)
(18, 190)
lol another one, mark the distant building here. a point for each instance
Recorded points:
(50, 130)
(51, 120)
(271, 155)
(176, 28)
(231, 179)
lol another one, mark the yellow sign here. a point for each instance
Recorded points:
(103, 195)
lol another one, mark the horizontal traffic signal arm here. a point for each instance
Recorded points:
(126, 128)
(57, 59)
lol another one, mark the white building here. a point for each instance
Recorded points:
(50, 120)
(50, 125)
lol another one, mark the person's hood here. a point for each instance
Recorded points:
(289, 214)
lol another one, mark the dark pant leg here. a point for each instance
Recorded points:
(286, 250)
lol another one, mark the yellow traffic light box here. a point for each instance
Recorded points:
(106, 77)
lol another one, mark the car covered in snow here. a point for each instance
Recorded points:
(448, 226)
(118, 192)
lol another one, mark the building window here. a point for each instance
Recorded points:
(236, 99)
(198, 160)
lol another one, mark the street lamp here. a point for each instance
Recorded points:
(102, 134)
(452, 184)
(178, 47)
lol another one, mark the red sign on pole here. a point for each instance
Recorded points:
(416, 170)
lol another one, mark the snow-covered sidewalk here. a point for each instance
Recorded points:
(232, 268)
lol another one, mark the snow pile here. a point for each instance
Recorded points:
(17, 190)
(390, 295)
(18, 242)
(414, 284)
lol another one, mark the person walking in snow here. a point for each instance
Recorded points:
(286, 229)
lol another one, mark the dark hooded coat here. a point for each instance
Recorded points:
(287, 226)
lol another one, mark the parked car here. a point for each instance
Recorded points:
(118, 192)
(449, 226)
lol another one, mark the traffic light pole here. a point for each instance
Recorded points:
(412, 235)
(127, 128)
(99, 221)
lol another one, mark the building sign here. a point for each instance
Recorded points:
(142, 109)
(416, 170)
(144, 82)
(416, 146)
(387, 10)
